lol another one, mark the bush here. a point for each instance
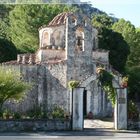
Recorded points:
(11, 86)
(133, 112)
(17, 115)
(57, 113)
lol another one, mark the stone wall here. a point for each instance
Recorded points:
(50, 54)
(133, 125)
(33, 125)
(57, 86)
(101, 55)
(48, 87)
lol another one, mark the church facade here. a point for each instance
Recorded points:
(68, 50)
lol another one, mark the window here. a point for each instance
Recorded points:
(45, 39)
(80, 39)
(85, 23)
(74, 21)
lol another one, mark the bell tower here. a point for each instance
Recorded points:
(79, 46)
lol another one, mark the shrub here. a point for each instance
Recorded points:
(11, 86)
(73, 84)
(58, 112)
(133, 112)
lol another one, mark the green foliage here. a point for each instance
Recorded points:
(73, 84)
(105, 78)
(126, 29)
(11, 86)
(57, 113)
(132, 37)
(6, 114)
(28, 1)
(102, 20)
(112, 41)
(7, 51)
(117, 46)
(134, 57)
(134, 82)
(133, 112)
(4, 20)
(17, 115)
(35, 113)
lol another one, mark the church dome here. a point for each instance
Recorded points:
(60, 19)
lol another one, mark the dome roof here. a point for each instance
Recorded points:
(60, 19)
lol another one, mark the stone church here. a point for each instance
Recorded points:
(68, 50)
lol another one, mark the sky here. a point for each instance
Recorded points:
(127, 9)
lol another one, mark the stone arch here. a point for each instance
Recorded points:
(120, 110)
(80, 39)
(88, 80)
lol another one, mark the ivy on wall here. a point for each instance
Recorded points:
(105, 78)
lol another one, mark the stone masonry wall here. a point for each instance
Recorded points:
(49, 87)
(33, 125)
(56, 86)
(79, 63)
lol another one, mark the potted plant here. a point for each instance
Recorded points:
(124, 82)
(99, 70)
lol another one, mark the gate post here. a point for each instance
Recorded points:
(120, 111)
(77, 109)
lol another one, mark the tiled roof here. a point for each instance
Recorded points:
(60, 19)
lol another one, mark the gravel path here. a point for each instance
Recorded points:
(98, 124)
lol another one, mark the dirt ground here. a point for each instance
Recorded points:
(96, 123)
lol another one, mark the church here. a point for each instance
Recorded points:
(68, 51)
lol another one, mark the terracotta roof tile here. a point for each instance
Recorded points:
(60, 19)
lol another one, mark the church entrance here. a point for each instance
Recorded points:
(81, 118)
(94, 122)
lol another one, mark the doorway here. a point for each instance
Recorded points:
(100, 121)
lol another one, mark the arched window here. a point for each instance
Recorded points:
(80, 39)
(45, 39)
(58, 36)
(74, 21)
(85, 22)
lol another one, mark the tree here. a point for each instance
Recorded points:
(134, 57)
(11, 86)
(134, 83)
(7, 50)
(112, 41)
(102, 20)
(117, 46)
(28, 1)
(127, 30)
(4, 20)
(132, 37)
